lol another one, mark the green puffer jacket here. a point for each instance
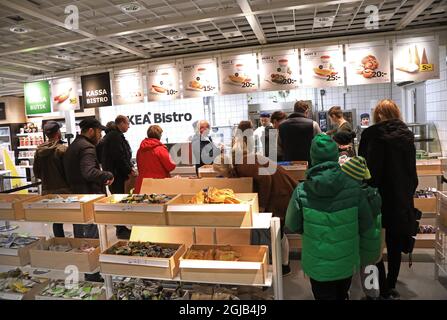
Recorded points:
(371, 239)
(330, 210)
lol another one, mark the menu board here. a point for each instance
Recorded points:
(163, 82)
(96, 90)
(64, 94)
(37, 97)
(238, 74)
(416, 59)
(128, 87)
(368, 63)
(322, 67)
(279, 70)
(199, 78)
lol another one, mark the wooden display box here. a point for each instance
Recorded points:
(11, 206)
(18, 257)
(39, 295)
(76, 212)
(426, 205)
(297, 170)
(429, 167)
(146, 267)
(207, 171)
(123, 213)
(41, 257)
(251, 269)
(425, 241)
(182, 213)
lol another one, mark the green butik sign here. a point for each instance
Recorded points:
(37, 97)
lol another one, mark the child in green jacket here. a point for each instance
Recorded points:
(331, 211)
(370, 239)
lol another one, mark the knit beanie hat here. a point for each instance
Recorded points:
(323, 149)
(356, 168)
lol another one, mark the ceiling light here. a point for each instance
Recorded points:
(199, 39)
(232, 34)
(18, 29)
(175, 37)
(152, 45)
(282, 28)
(324, 22)
(110, 52)
(131, 7)
(66, 57)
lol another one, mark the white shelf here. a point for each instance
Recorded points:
(268, 281)
(25, 158)
(28, 134)
(27, 147)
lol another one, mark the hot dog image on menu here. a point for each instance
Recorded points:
(65, 94)
(163, 82)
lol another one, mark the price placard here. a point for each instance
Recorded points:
(279, 70)
(199, 78)
(238, 74)
(163, 82)
(368, 63)
(128, 87)
(426, 67)
(322, 67)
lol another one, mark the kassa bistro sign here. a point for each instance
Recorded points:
(96, 90)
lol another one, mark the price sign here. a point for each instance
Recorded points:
(238, 74)
(425, 67)
(199, 78)
(279, 70)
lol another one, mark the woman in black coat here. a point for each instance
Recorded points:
(388, 147)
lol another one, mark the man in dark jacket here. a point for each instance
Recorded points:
(49, 167)
(116, 158)
(296, 134)
(82, 170)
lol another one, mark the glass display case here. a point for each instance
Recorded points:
(426, 140)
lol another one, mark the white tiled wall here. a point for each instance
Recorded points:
(436, 101)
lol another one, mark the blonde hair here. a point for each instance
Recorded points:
(385, 110)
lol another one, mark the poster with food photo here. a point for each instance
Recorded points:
(322, 67)
(199, 78)
(368, 63)
(416, 59)
(64, 94)
(163, 82)
(238, 74)
(128, 87)
(279, 70)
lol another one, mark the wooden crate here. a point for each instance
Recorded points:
(425, 241)
(251, 269)
(135, 214)
(182, 213)
(429, 167)
(77, 212)
(297, 170)
(11, 205)
(426, 205)
(131, 266)
(207, 171)
(18, 257)
(41, 257)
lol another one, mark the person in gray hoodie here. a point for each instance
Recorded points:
(49, 167)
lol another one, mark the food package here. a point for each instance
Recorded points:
(16, 281)
(220, 254)
(214, 195)
(82, 291)
(152, 198)
(141, 289)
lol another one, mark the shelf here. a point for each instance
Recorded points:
(27, 134)
(268, 281)
(425, 241)
(27, 147)
(25, 158)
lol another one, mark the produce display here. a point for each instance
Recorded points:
(59, 199)
(142, 249)
(15, 241)
(15, 281)
(221, 254)
(152, 198)
(140, 289)
(214, 195)
(83, 290)
(427, 193)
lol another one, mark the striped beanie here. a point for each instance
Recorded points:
(356, 168)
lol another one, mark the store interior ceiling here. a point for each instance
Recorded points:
(35, 40)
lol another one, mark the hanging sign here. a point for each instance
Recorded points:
(96, 90)
(416, 59)
(238, 74)
(37, 97)
(128, 87)
(279, 70)
(64, 94)
(322, 67)
(199, 78)
(368, 63)
(163, 82)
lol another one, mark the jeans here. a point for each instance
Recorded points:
(331, 290)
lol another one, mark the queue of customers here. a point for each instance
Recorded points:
(346, 209)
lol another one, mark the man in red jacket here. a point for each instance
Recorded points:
(153, 158)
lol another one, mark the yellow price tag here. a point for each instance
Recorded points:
(426, 67)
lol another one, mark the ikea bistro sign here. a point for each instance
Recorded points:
(96, 91)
